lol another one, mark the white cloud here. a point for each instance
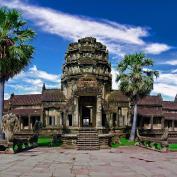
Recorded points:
(120, 39)
(165, 90)
(174, 71)
(6, 96)
(166, 84)
(114, 73)
(31, 81)
(156, 48)
(43, 74)
(170, 62)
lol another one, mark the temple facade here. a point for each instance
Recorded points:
(86, 98)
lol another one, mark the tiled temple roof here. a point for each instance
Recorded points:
(53, 95)
(170, 115)
(151, 101)
(26, 100)
(169, 105)
(148, 112)
(117, 96)
(26, 111)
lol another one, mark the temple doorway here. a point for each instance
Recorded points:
(86, 117)
(87, 107)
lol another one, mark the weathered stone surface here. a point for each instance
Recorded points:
(58, 162)
(10, 125)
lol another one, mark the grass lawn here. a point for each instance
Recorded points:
(44, 141)
(123, 142)
(47, 141)
(173, 147)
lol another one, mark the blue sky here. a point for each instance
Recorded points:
(124, 26)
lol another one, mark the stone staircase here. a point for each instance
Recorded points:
(87, 139)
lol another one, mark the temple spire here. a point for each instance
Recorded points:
(43, 87)
(175, 98)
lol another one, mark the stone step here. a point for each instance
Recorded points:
(90, 133)
(88, 148)
(81, 140)
(82, 143)
(88, 139)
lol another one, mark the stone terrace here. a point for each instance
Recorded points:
(57, 162)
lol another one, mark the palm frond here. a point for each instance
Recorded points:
(15, 51)
(135, 82)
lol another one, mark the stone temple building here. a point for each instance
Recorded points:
(86, 98)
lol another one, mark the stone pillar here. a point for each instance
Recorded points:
(47, 117)
(41, 116)
(151, 122)
(67, 120)
(21, 123)
(99, 113)
(117, 119)
(162, 123)
(53, 120)
(110, 120)
(91, 116)
(173, 125)
(76, 112)
(29, 122)
(61, 119)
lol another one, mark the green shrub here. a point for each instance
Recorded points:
(49, 142)
(123, 142)
(173, 147)
(44, 141)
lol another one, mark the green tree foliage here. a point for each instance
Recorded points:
(15, 48)
(136, 80)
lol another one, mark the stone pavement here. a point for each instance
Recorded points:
(58, 162)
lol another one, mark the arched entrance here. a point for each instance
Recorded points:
(86, 116)
(87, 111)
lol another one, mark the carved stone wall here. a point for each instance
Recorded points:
(87, 57)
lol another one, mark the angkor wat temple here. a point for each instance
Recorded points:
(86, 98)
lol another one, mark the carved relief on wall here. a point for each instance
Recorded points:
(87, 82)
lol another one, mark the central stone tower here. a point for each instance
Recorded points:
(85, 81)
(86, 59)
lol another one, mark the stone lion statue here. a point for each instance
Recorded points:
(10, 125)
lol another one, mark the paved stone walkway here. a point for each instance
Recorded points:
(57, 162)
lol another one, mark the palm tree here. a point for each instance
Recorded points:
(15, 49)
(136, 81)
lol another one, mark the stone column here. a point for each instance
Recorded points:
(99, 113)
(76, 112)
(119, 116)
(47, 117)
(61, 119)
(21, 123)
(29, 122)
(91, 116)
(151, 122)
(41, 116)
(110, 120)
(53, 120)
(162, 123)
(173, 125)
